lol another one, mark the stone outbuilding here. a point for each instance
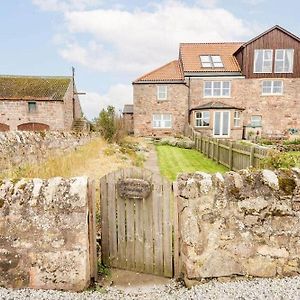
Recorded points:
(38, 103)
(128, 118)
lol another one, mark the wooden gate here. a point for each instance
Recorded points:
(137, 222)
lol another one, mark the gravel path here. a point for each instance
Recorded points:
(273, 289)
(152, 161)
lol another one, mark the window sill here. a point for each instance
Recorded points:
(267, 95)
(283, 72)
(162, 128)
(222, 97)
(262, 72)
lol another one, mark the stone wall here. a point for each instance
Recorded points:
(146, 104)
(20, 147)
(15, 113)
(247, 93)
(239, 224)
(44, 234)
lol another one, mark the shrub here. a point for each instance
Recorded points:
(277, 160)
(292, 142)
(106, 123)
(177, 142)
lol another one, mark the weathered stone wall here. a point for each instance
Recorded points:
(247, 93)
(15, 113)
(146, 104)
(242, 224)
(20, 147)
(44, 234)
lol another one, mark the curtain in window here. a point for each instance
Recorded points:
(288, 60)
(258, 60)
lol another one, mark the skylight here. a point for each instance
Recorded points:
(211, 61)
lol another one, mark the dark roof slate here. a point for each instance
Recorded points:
(128, 109)
(33, 87)
(216, 105)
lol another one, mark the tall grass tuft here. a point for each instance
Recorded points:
(64, 165)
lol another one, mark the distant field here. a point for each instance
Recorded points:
(173, 160)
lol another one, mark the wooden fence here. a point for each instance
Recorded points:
(234, 155)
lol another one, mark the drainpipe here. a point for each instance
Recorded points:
(189, 100)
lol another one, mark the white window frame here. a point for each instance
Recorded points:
(256, 125)
(160, 122)
(211, 61)
(221, 124)
(272, 85)
(237, 118)
(212, 89)
(283, 60)
(202, 118)
(263, 61)
(160, 93)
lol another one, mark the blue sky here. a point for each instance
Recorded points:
(110, 43)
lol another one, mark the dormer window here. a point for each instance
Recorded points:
(284, 60)
(211, 61)
(263, 60)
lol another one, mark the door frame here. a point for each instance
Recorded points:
(221, 124)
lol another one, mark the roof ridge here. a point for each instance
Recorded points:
(157, 69)
(211, 43)
(36, 76)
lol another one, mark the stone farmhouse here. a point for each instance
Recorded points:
(224, 90)
(38, 103)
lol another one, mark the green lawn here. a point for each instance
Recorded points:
(174, 160)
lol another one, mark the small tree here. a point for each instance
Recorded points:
(106, 123)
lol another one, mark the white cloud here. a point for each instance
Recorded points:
(208, 3)
(253, 2)
(125, 44)
(118, 95)
(137, 41)
(66, 5)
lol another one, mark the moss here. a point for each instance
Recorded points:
(42, 134)
(15, 180)
(287, 185)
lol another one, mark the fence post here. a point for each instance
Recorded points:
(208, 144)
(200, 146)
(218, 152)
(252, 156)
(92, 229)
(213, 149)
(230, 155)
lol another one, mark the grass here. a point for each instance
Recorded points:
(88, 160)
(173, 160)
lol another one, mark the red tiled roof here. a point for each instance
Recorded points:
(169, 72)
(190, 56)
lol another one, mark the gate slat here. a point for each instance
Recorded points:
(121, 230)
(157, 222)
(167, 230)
(112, 220)
(139, 232)
(148, 234)
(129, 227)
(139, 237)
(104, 221)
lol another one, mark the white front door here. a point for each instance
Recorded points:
(221, 124)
